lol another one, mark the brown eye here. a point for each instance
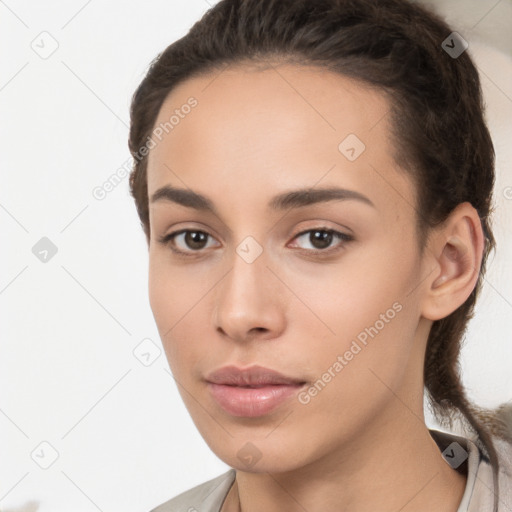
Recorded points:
(321, 240)
(187, 241)
(195, 239)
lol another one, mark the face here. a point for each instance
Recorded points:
(320, 287)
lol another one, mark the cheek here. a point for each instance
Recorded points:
(369, 355)
(177, 297)
(172, 290)
(352, 294)
(162, 296)
(367, 313)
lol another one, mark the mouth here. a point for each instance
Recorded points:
(251, 392)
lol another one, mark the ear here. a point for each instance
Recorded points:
(455, 253)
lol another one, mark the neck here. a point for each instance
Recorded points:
(395, 467)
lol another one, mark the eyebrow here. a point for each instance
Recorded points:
(292, 199)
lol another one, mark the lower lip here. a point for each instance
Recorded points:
(251, 402)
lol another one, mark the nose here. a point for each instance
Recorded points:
(250, 302)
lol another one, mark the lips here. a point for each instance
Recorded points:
(251, 392)
(251, 377)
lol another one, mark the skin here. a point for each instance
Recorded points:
(361, 443)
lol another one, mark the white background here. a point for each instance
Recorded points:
(68, 375)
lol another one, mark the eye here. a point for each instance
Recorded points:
(186, 241)
(321, 239)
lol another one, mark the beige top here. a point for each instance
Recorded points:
(478, 496)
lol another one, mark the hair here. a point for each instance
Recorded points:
(438, 129)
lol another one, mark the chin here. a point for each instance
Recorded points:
(252, 454)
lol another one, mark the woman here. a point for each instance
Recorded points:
(314, 179)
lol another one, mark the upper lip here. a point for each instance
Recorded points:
(252, 376)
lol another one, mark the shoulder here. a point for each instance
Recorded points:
(205, 497)
(504, 450)
(482, 494)
(479, 492)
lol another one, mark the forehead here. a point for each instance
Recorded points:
(282, 125)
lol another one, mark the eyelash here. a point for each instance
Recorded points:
(167, 239)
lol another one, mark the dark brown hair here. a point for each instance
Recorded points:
(440, 135)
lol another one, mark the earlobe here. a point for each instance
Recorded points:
(456, 253)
